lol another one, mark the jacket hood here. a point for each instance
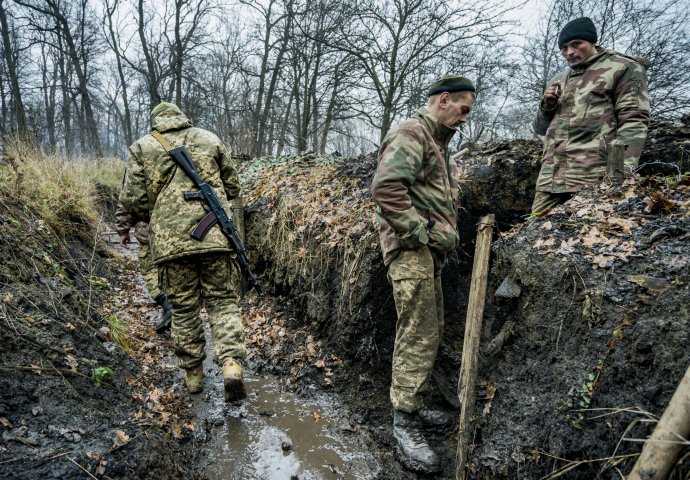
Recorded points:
(170, 120)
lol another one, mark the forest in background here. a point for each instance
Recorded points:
(275, 77)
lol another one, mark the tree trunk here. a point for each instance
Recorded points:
(127, 122)
(19, 113)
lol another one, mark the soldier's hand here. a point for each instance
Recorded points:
(551, 95)
(125, 240)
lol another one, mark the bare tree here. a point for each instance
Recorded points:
(13, 78)
(60, 13)
(393, 40)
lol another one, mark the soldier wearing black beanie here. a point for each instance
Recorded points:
(579, 29)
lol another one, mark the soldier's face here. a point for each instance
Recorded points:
(455, 108)
(577, 51)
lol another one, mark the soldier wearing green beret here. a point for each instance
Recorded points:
(600, 97)
(191, 272)
(416, 194)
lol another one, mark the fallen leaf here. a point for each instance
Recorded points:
(568, 246)
(121, 438)
(71, 363)
(542, 244)
(316, 415)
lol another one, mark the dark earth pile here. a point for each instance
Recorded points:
(83, 393)
(585, 318)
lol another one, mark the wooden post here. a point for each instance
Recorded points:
(661, 449)
(470, 348)
(238, 215)
(615, 168)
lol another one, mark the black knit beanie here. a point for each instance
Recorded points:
(579, 29)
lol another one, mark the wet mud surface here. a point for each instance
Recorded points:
(581, 349)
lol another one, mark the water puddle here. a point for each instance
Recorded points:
(275, 435)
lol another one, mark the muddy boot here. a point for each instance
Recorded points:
(435, 419)
(166, 317)
(194, 379)
(416, 453)
(232, 379)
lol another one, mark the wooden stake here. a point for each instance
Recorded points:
(238, 215)
(670, 435)
(615, 168)
(470, 348)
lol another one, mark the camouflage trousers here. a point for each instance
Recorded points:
(148, 270)
(210, 280)
(418, 298)
(544, 201)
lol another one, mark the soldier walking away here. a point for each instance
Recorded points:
(149, 271)
(416, 194)
(192, 272)
(601, 96)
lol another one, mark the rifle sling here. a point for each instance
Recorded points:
(162, 140)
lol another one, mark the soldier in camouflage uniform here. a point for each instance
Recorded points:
(600, 97)
(149, 272)
(191, 272)
(416, 193)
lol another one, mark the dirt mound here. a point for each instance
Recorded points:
(81, 391)
(592, 343)
(312, 236)
(667, 145)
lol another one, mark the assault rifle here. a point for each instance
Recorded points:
(216, 214)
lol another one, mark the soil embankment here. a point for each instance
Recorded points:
(586, 353)
(585, 335)
(84, 392)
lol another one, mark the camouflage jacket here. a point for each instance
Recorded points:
(415, 188)
(604, 99)
(123, 222)
(153, 188)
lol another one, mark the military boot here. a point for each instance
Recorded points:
(435, 419)
(194, 378)
(166, 317)
(416, 453)
(232, 379)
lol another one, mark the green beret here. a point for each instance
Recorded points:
(451, 83)
(164, 107)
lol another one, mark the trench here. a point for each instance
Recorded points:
(274, 434)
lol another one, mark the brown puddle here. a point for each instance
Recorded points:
(277, 435)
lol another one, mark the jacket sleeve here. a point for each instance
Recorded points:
(543, 120)
(123, 220)
(401, 157)
(632, 111)
(228, 173)
(544, 117)
(134, 195)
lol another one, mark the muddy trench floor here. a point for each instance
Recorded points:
(141, 423)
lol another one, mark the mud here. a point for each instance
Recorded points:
(539, 349)
(578, 357)
(66, 311)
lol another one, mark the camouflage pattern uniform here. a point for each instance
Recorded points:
(191, 272)
(149, 272)
(416, 192)
(603, 99)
